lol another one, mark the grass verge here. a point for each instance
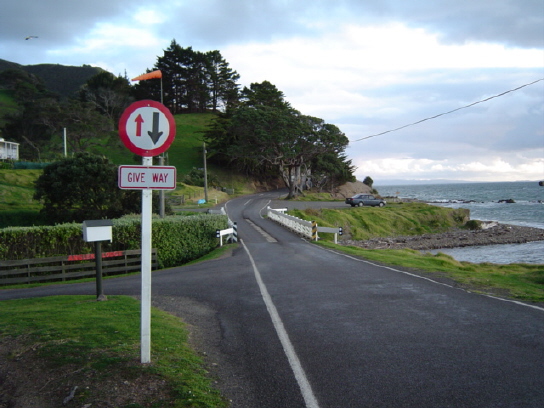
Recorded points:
(363, 223)
(98, 343)
(519, 281)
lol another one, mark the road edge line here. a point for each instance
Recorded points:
(517, 302)
(294, 362)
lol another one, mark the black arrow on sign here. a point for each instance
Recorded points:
(155, 134)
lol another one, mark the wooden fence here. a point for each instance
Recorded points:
(64, 268)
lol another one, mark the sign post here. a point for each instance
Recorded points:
(147, 128)
(97, 231)
(147, 207)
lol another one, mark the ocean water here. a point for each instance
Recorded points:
(483, 201)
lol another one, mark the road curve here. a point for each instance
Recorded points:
(290, 324)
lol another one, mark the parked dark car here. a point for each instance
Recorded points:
(365, 199)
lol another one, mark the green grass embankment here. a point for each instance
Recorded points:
(397, 219)
(518, 281)
(95, 345)
(17, 189)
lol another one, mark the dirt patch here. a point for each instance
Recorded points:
(26, 380)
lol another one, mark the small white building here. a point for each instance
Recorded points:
(9, 150)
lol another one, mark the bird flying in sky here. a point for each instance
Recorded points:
(30, 37)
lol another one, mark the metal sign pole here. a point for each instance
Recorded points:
(98, 258)
(147, 195)
(147, 128)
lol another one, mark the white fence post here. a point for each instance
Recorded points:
(336, 231)
(219, 234)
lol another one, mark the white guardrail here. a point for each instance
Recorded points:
(232, 231)
(305, 228)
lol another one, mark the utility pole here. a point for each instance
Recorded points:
(205, 173)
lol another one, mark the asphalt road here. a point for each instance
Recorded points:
(293, 325)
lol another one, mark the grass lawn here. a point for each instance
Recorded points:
(17, 189)
(96, 345)
(396, 219)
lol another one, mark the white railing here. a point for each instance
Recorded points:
(305, 228)
(232, 231)
(300, 226)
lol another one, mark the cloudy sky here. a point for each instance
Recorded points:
(367, 66)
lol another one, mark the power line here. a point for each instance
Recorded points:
(446, 113)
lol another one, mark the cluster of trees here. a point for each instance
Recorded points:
(193, 81)
(263, 135)
(40, 116)
(256, 130)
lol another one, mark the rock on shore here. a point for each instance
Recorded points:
(498, 234)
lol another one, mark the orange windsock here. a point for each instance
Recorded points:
(149, 75)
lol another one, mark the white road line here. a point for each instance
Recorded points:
(264, 208)
(434, 281)
(298, 371)
(265, 234)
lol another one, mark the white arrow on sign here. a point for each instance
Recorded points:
(145, 177)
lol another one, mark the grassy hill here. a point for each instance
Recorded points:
(62, 79)
(7, 106)
(17, 189)
(185, 153)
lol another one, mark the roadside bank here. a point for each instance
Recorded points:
(499, 234)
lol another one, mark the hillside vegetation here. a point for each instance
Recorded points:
(186, 153)
(62, 79)
(397, 219)
(17, 189)
(7, 106)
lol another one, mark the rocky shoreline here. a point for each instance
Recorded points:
(497, 234)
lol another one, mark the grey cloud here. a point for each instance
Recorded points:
(510, 22)
(57, 23)
(214, 23)
(507, 125)
(217, 22)
(58, 20)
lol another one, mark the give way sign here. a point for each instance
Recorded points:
(147, 128)
(147, 177)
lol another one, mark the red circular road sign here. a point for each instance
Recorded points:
(147, 128)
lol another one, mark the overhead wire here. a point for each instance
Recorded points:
(447, 113)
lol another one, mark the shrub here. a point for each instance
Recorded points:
(178, 239)
(473, 225)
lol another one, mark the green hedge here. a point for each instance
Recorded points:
(178, 239)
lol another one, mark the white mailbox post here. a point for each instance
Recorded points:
(97, 231)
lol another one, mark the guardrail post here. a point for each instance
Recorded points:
(235, 232)
(218, 235)
(314, 231)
